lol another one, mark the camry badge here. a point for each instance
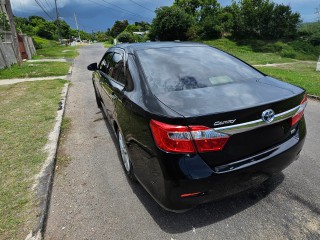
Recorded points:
(218, 123)
(268, 115)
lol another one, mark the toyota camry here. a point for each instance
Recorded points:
(195, 124)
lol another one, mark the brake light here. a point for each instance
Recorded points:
(296, 118)
(186, 139)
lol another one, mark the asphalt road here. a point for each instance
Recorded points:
(92, 198)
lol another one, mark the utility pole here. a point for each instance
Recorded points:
(15, 41)
(58, 21)
(75, 18)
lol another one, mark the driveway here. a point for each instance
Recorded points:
(92, 198)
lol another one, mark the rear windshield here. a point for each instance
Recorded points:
(181, 68)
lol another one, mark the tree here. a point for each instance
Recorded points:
(283, 23)
(263, 19)
(170, 23)
(65, 29)
(210, 19)
(118, 27)
(189, 6)
(142, 26)
(46, 30)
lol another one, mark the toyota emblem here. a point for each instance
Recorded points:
(268, 115)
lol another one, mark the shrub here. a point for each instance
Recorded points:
(288, 54)
(125, 37)
(110, 39)
(40, 43)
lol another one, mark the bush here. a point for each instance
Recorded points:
(137, 38)
(288, 54)
(145, 38)
(40, 43)
(110, 39)
(304, 47)
(125, 37)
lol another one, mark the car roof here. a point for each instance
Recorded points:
(132, 47)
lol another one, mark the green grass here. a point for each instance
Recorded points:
(40, 43)
(27, 115)
(57, 52)
(51, 49)
(300, 74)
(36, 69)
(246, 53)
(107, 45)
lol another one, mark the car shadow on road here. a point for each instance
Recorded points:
(204, 214)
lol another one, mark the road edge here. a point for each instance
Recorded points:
(313, 97)
(43, 181)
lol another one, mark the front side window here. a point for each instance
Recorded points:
(105, 63)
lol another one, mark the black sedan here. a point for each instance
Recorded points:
(194, 123)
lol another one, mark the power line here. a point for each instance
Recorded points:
(43, 9)
(49, 4)
(124, 9)
(83, 25)
(58, 21)
(116, 16)
(142, 6)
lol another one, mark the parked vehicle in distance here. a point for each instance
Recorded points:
(194, 123)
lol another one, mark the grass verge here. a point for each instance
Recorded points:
(57, 52)
(39, 69)
(107, 45)
(246, 53)
(300, 74)
(27, 113)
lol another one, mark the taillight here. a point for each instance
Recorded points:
(186, 139)
(299, 114)
(206, 139)
(171, 138)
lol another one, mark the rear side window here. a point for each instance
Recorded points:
(182, 68)
(119, 74)
(115, 65)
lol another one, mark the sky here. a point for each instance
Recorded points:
(98, 15)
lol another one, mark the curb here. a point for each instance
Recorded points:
(69, 75)
(43, 181)
(313, 97)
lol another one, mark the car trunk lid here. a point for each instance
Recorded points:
(239, 103)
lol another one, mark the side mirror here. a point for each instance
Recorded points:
(92, 67)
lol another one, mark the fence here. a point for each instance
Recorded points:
(7, 55)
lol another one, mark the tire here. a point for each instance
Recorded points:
(98, 100)
(125, 159)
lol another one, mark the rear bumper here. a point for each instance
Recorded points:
(228, 179)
